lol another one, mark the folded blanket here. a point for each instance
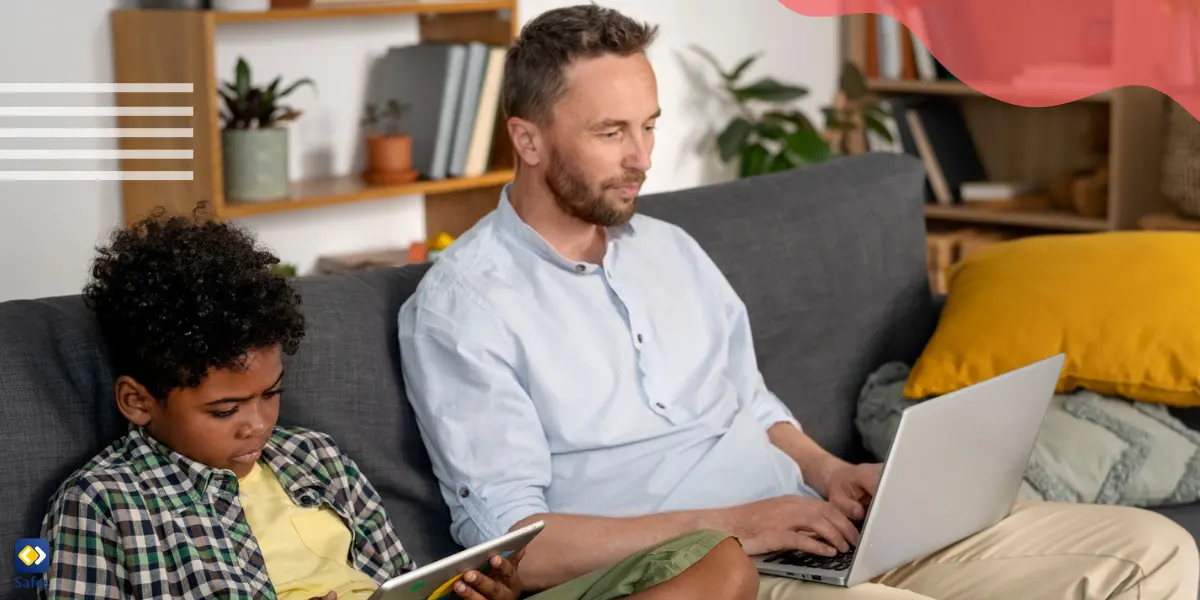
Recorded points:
(1091, 448)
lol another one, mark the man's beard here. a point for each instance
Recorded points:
(576, 198)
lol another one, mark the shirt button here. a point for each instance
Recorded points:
(580, 268)
(464, 492)
(660, 405)
(639, 338)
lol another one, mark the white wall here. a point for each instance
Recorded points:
(48, 229)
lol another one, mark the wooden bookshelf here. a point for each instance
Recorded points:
(178, 46)
(1038, 144)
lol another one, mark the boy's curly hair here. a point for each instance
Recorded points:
(176, 297)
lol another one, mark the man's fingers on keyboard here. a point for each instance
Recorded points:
(812, 545)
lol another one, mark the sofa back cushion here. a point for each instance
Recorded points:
(56, 411)
(346, 381)
(830, 261)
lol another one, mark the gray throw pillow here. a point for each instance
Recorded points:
(1091, 448)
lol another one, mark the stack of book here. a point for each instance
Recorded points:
(453, 94)
(897, 52)
(936, 131)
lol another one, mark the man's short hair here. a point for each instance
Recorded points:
(533, 73)
(177, 296)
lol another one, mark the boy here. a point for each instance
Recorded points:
(206, 497)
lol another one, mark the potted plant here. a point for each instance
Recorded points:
(767, 136)
(254, 144)
(389, 149)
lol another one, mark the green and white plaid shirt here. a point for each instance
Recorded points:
(140, 520)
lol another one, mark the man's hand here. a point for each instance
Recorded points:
(504, 584)
(851, 488)
(791, 523)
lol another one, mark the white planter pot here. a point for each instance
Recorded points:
(241, 5)
(256, 164)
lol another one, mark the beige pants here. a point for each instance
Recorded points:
(1041, 551)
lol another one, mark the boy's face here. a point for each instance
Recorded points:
(223, 423)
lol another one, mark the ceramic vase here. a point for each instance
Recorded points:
(256, 164)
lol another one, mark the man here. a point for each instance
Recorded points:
(574, 362)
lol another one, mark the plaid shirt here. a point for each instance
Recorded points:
(140, 520)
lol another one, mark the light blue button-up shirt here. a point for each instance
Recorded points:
(542, 384)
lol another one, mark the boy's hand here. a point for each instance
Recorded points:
(504, 584)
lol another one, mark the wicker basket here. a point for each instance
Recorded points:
(1181, 160)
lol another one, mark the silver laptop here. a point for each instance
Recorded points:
(954, 468)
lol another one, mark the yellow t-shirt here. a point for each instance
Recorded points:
(307, 550)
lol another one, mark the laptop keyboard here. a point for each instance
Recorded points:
(839, 562)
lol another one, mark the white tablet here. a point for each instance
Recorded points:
(435, 581)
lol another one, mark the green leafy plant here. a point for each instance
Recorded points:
(385, 120)
(284, 269)
(768, 135)
(247, 106)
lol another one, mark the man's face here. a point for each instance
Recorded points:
(225, 422)
(601, 137)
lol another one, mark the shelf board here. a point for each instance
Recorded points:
(1033, 219)
(345, 190)
(912, 86)
(949, 88)
(366, 9)
(1169, 222)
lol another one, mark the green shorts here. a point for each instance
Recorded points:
(650, 567)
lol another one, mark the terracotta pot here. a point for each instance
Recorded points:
(389, 153)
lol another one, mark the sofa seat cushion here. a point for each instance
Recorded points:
(1091, 448)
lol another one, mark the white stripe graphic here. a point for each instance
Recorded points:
(95, 88)
(95, 175)
(95, 111)
(94, 154)
(95, 132)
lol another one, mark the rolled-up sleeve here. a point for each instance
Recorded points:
(484, 438)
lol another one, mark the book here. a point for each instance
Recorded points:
(933, 170)
(946, 146)
(985, 191)
(480, 148)
(468, 106)
(891, 47)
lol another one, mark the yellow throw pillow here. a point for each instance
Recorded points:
(1123, 306)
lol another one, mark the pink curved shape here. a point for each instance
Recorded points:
(1049, 52)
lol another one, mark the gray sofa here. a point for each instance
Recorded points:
(830, 261)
